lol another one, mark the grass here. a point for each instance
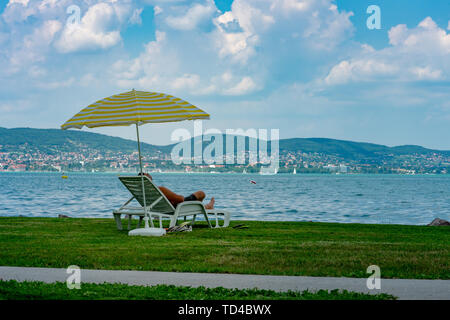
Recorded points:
(13, 290)
(276, 248)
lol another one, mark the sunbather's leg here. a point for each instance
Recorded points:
(175, 199)
(171, 196)
(200, 196)
(210, 205)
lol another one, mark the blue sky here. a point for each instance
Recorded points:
(309, 68)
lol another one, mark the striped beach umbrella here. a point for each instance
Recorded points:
(135, 107)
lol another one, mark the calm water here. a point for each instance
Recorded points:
(332, 198)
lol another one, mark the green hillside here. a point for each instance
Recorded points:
(55, 140)
(340, 148)
(351, 149)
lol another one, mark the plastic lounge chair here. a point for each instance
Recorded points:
(158, 205)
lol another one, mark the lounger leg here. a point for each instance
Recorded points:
(129, 221)
(118, 221)
(217, 221)
(173, 221)
(226, 219)
(207, 220)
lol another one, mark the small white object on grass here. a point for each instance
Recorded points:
(148, 232)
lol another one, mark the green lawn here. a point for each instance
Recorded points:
(13, 290)
(278, 248)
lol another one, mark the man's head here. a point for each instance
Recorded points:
(146, 174)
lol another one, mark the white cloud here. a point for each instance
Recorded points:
(33, 32)
(252, 18)
(43, 35)
(238, 45)
(37, 72)
(155, 69)
(157, 10)
(34, 46)
(359, 70)
(245, 86)
(18, 11)
(187, 81)
(87, 80)
(194, 16)
(51, 85)
(136, 17)
(253, 24)
(397, 34)
(426, 73)
(15, 106)
(22, 2)
(289, 5)
(227, 76)
(427, 36)
(420, 53)
(197, 39)
(95, 31)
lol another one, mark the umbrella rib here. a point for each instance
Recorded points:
(138, 113)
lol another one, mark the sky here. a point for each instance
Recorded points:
(310, 68)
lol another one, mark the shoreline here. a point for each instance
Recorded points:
(237, 221)
(232, 173)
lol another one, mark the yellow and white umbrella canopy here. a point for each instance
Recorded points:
(135, 107)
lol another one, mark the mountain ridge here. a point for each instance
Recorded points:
(68, 139)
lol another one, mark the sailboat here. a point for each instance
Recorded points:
(245, 171)
(264, 172)
(295, 171)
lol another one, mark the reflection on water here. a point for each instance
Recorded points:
(331, 198)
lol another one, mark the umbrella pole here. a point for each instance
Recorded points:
(146, 218)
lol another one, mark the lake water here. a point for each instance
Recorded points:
(389, 199)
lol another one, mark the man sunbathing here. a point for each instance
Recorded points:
(175, 199)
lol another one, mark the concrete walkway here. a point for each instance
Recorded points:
(410, 289)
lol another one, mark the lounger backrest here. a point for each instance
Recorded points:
(152, 193)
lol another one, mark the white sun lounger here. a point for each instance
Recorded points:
(159, 206)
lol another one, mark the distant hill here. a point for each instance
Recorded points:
(340, 148)
(56, 140)
(52, 140)
(351, 149)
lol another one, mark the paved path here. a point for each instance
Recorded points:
(401, 288)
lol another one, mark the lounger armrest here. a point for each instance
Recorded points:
(191, 207)
(188, 208)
